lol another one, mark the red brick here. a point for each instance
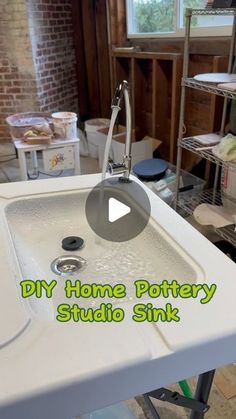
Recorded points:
(22, 96)
(4, 69)
(7, 97)
(4, 62)
(42, 7)
(11, 76)
(13, 90)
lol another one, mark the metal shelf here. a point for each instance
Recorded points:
(188, 203)
(212, 12)
(192, 145)
(209, 88)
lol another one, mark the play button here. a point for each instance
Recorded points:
(117, 211)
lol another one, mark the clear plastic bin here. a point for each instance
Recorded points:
(117, 411)
(188, 183)
(165, 189)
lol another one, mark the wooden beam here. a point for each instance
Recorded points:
(90, 48)
(103, 57)
(205, 46)
(117, 22)
(121, 22)
(77, 22)
(177, 70)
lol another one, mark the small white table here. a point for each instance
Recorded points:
(23, 148)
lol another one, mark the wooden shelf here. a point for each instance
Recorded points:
(143, 93)
(155, 80)
(147, 54)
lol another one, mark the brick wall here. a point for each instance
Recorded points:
(54, 56)
(37, 59)
(17, 80)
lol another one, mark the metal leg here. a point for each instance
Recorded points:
(198, 404)
(215, 183)
(34, 161)
(178, 168)
(151, 407)
(188, 16)
(173, 397)
(203, 391)
(77, 159)
(23, 166)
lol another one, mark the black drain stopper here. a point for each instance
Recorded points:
(72, 243)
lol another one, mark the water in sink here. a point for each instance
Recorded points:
(38, 225)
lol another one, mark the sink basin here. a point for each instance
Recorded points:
(49, 368)
(38, 226)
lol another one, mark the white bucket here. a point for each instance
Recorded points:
(65, 125)
(93, 137)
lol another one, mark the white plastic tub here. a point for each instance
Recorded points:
(65, 125)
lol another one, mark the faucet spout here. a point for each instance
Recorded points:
(122, 91)
(119, 93)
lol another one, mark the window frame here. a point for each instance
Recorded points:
(211, 31)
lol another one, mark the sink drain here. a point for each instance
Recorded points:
(68, 265)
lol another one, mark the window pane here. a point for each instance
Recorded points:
(152, 16)
(194, 4)
(202, 21)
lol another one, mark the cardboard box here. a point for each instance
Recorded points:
(141, 150)
(119, 135)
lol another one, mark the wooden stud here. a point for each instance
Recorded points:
(103, 58)
(154, 66)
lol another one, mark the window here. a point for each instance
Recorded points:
(149, 18)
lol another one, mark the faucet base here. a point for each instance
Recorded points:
(124, 179)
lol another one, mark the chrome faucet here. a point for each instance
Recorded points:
(122, 90)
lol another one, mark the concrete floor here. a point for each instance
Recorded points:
(223, 395)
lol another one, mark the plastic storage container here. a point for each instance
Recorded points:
(189, 184)
(117, 411)
(21, 122)
(93, 137)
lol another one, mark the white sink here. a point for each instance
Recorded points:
(49, 368)
(38, 225)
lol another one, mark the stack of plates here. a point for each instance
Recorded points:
(216, 78)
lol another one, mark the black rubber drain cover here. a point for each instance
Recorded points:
(72, 243)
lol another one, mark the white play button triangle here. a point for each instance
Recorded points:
(116, 210)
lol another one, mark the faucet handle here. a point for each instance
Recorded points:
(119, 93)
(116, 168)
